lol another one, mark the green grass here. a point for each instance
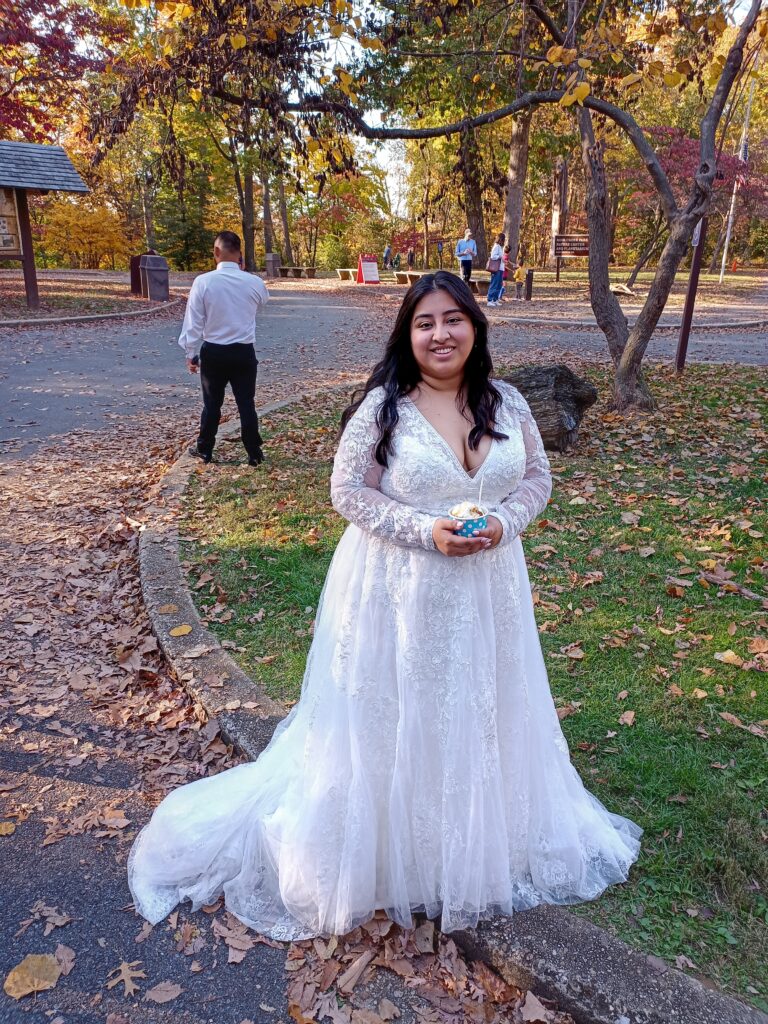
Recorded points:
(687, 482)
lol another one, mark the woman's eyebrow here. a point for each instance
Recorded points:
(444, 312)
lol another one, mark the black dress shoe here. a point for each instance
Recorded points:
(195, 452)
(257, 458)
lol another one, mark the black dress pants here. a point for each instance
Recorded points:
(234, 365)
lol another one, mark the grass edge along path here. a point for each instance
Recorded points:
(648, 568)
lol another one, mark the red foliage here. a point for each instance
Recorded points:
(46, 49)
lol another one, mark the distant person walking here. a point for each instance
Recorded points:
(466, 251)
(505, 270)
(411, 258)
(218, 337)
(387, 255)
(519, 276)
(496, 266)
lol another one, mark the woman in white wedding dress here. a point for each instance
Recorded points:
(424, 768)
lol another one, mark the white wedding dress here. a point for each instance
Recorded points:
(424, 767)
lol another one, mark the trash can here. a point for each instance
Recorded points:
(135, 275)
(528, 285)
(273, 261)
(154, 278)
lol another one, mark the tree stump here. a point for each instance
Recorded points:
(558, 400)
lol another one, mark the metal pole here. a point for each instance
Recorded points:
(743, 154)
(690, 297)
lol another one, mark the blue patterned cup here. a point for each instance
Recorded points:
(469, 523)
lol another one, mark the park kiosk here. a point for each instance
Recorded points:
(29, 167)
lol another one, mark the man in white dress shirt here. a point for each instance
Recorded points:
(218, 337)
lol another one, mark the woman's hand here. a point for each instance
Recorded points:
(446, 541)
(493, 532)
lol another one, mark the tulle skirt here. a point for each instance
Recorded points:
(423, 769)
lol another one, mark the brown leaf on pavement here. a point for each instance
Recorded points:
(65, 958)
(36, 973)
(163, 992)
(126, 973)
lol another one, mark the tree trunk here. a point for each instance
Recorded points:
(269, 229)
(287, 250)
(718, 247)
(517, 169)
(614, 218)
(148, 209)
(559, 203)
(605, 305)
(425, 219)
(249, 222)
(473, 194)
(650, 248)
(627, 388)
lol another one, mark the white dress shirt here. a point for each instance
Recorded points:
(222, 308)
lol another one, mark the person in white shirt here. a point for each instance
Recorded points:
(496, 267)
(466, 251)
(218, 337)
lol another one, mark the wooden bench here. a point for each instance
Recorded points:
(479, 287)
(297, 271)
(346, 273)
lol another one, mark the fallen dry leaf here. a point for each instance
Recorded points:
(163, 992)
(533, 1011)
(7, 828)
(126, 973)
(181, 630)
(36, 973)
(65, 958)
(729, 657)
(627, 718)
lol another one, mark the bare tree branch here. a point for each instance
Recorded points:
(547, 20)
(529, 99)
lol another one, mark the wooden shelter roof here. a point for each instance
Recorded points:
(33, 166)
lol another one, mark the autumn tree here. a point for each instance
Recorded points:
(286, 65)
(47, 50)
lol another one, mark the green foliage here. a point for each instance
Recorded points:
(332, 252)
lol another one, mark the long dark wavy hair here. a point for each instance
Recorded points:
(398, 372)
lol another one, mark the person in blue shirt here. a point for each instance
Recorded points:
(466, 251)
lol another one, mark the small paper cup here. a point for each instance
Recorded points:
(469, 526)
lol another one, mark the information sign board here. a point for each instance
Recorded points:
(367, 269)
(571, 245)
(10, 239)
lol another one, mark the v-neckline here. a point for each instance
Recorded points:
(475, 472)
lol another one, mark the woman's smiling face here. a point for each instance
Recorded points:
(442, 336)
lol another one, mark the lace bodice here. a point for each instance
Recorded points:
(425, 477)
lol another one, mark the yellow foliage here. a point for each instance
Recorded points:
(86, 234)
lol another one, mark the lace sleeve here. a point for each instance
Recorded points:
(530, 497)
(355, 490)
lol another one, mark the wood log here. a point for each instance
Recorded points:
(558, 400)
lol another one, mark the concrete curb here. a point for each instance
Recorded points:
(246, 715)
(34, 322)
(593, 976)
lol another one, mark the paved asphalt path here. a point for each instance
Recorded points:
(54, 379)
(74, 376)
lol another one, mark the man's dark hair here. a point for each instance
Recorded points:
(229, 240)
